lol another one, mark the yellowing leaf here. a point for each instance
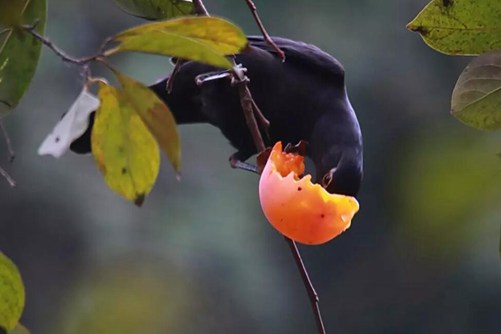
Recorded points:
(157, 9)
(156, 115)
(476, 99)
(11, 294)
(125, 151)
(19, 51)
(203, 39)
(460, 27)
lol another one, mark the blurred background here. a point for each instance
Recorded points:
(199, 257)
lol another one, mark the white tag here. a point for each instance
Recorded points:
(71, 126)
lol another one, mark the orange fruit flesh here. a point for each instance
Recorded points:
(297, 208)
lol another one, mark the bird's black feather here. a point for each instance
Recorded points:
(304, 98)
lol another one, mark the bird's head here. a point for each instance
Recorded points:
(346, 175)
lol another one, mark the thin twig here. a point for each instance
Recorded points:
(175, 71)
(312, 293)
(250, 110)
(12, 154)
(60, 53)
(265, 34)
(263, 121)
(7, 177)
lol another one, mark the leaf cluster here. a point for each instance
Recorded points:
(469, 28)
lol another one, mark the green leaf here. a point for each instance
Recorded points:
(125, 151)
(156, 115)
(476, 99)
(157, 9)
(204, 39)
(19, 51)
(11, 294)
(460, 27)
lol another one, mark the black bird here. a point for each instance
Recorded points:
(304, 98)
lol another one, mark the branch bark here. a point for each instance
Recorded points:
(250, 110)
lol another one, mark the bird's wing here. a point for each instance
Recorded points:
(306, 55)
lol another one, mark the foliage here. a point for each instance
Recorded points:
(11, 294)
(468, 27)
(19, 52)
(131, 121)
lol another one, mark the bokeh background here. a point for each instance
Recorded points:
(199, 257)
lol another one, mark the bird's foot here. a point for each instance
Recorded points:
(235, 162)
(238, 75)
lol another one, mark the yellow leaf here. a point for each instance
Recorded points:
(203, 39)
(156, 115)
(125, 151)
(12, 294)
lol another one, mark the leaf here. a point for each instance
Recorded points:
(71, 126)
(11, 293)
(19, 52)
(156, 115)
(476, 99)
(156, 9)
(460, 27)
(125, 151)
(203, 39)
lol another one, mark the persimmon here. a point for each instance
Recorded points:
(298, 208)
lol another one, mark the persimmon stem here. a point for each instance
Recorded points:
(250, 110)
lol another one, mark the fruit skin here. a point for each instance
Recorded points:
(297, 208)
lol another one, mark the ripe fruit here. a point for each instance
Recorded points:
(297, 208)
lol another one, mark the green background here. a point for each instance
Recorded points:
(199, 257)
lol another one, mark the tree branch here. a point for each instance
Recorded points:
(250, 109)
(60, 53)
(312, 293)
(265, 34)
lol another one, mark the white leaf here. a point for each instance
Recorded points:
(71, 126)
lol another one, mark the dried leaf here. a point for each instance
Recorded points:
(71, 126)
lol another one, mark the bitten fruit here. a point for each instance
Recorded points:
(299, 209)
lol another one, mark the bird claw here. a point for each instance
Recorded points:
(236, 163)
(216, 75)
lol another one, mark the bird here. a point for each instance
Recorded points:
(304, 98)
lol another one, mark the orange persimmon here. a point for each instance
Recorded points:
(299, 209)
